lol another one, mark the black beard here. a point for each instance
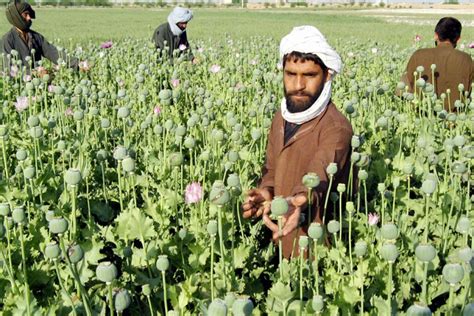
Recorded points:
(293, 107)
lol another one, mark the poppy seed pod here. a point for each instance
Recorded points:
(425, 252)
(78, 115)
(105, 123)
(21, 154)
(255, 134)
(180, 131)
(122, 300)
(389, 252)
(75, 253)
(315, 231)
(189, 142)
(355, 157)
(101, 155)
(331, 169)
(61, 145)
(303, 242)
(233, 180)
(279, 206)
(355, 141)
(229, 298)
(333, 226)
(468, 309)
(52, 250)
(212, 227)
(459, 140)
(465, 254)
(350, 207)
(407, 168)
(242, 307)
(120, 153)
(128, 164)
(341, 187)
(33, 121)
(176, 159)
(3, 130)
(4, 209)
(49, 215)
(418, 310)
(123, 112)
(165, 94)
(389, 231)
(58, 225)
(317, 303)
(360, 248)
(217, 308)
(106, 272)
(73, 176)
(464, 225)
(459, 167)
(311, 180)
(219, 194)
(182, 233)
(428, 186)
(453, 273)
(36, 132)
(18, 215)
(363, 175)
(146, 289)
(162, 263)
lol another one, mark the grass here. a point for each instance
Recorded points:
(82, 25)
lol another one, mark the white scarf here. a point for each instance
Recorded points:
(176, 16)
(313, 111)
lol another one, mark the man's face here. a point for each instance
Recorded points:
(303, 83)
(27, 18)
(182, 25)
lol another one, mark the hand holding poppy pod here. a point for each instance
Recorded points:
(257, 203)
(290, 220)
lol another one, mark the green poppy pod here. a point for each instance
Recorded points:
(122, 300)
(146, 289)
(331, 169)
(303, 242)
(29, 86)
(360, 248)
(219, 194)
(350, 207)
(165, 94)
(465, 254)
(78, 115)
(453, 273)
(315, 231)
(255, 133)
(233, 180)
(382, 122)
(183, 232)
(33, 121)
(363, 175)
(75, 253)
(217, 135)
(4, 209)
(230, 298)
(128, 164)
(401, 85)
(105, 123)
(73, 176)
(106, 272)
(407, 168)
(49, 215)
(389, 231)
(175, 159)
(158, 129)
(61, 145)
(317, 303)
(279, 206)
(341, 187)
(355, 141)
(123, 112)
(51, 123)
(78, 90)
(425, 252)
(93, 111)
(189, 142)
(389, 252)
(21, 154)
(311, 180)
(168, 125)
(242, 307)
(459, 167)
(36, 132)
(101, 155)
(355, 157)
(418, 309)
(52, 250)
(217, 307)
(180, 130)
(29, 172)
(3, 130)
(468, 309)
(459, 140)
(464, 225)
(420, 83)
(162, 263)
(428, 186)
(333, 226)
(2, 230)
(120, 153)
(212, 227)
(18, 215)
(205, 155)
(58, 225)
(233, 156)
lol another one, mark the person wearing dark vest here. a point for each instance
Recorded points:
(307, 135)
(22, 42)
(452, 68)
(171, 36)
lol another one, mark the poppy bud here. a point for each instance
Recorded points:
(146, 290)
(106, 272)
(212, 227)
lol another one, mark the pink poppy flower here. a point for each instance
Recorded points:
(157, 110)
(107, 44)
(215, 68)
(175, 83)
(417, 38)
(51, 88)
(182, 47)
(26, 78)
(69, 112)
(13, 71)
(193, 193)
(21, 104)
(471, 45)
(253, 62)
(373, 219)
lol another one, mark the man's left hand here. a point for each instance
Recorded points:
(291, 220)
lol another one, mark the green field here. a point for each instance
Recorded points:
(99, 24)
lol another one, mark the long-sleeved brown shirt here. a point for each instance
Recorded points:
(452, 68)
(316, 144)
(164, 34)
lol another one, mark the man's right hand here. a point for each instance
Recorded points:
(256, 203)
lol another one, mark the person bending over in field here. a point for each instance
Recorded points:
(171, 36)
(449, 66)
(307, 134)
(29, 45)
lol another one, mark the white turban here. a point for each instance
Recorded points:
(179, 15)
(308, 39)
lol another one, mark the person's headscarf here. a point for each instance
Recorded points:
(179, 15)
(13, 12)
(309, 40)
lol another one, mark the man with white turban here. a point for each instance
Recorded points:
(307, 134)
(171, 36)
